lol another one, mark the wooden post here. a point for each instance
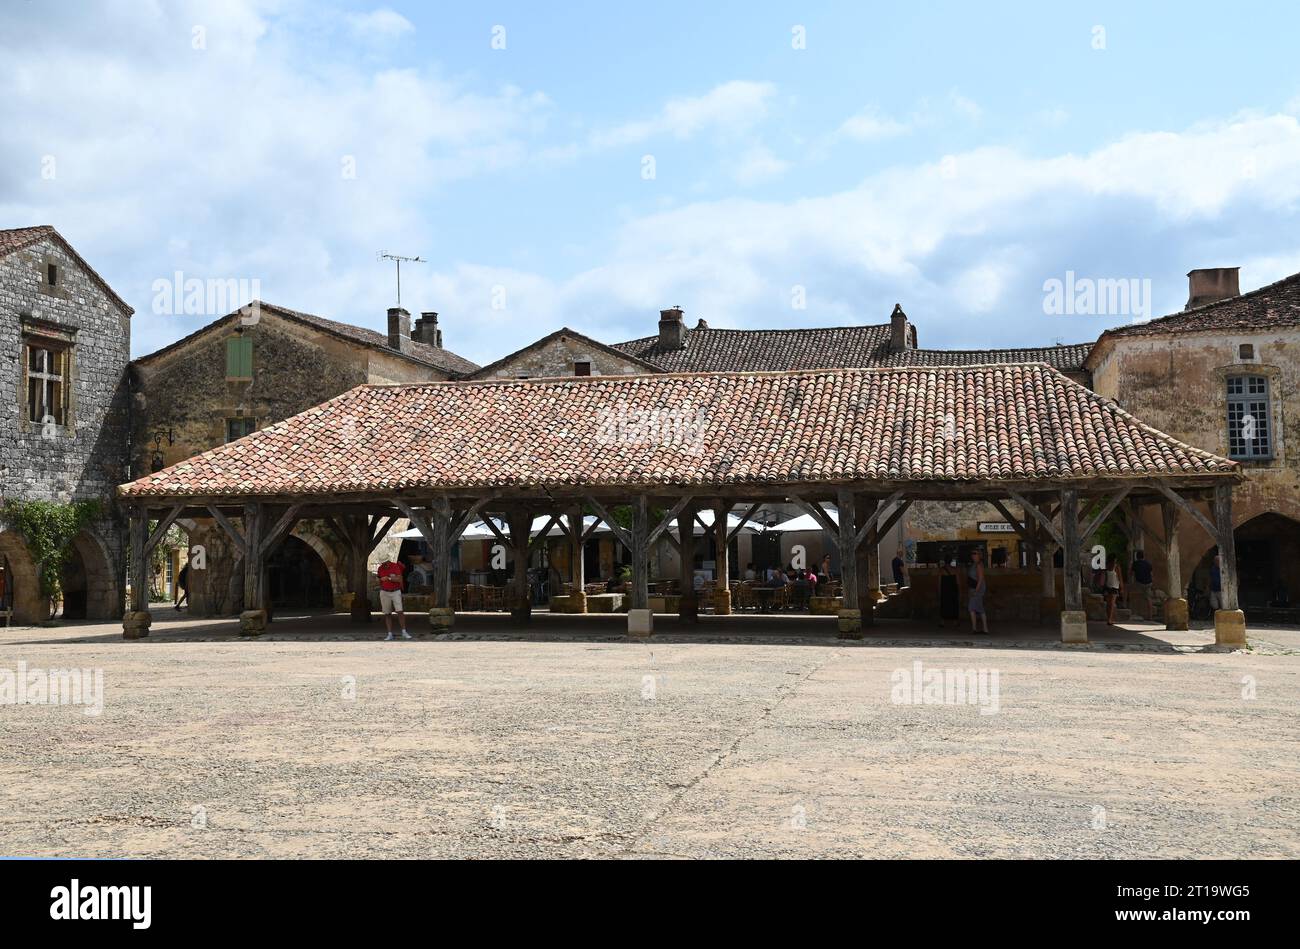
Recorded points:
(577, 562)
(640, 621)
(850, 614)
(135, 624)
(688, 607)
(252, 621)
(868, 561)
(520, 521)
(440, 550)
(1176, 611)
(722, 560)
(1074, 621)
(358, 529)
(1229, 620)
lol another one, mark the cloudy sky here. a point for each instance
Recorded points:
(587, 164)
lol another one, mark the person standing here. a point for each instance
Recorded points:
(390, 596)
(1142, 583)
(897, 566)
(1113, 588)
(183, 586)
(978, 585)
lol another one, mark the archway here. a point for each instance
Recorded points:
(1268, 564)
(89, 582)
(297, 577)
(22, 586)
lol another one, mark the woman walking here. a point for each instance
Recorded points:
(1114, 587)
(978, 585)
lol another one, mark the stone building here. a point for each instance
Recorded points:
(251, 369)
(1224, 375)
(65, 342)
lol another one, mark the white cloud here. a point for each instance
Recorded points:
(870, 125)
(383, 23)
(731, 106)
(758, 164)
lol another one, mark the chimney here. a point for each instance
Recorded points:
(426, 329)
(900, 335)
(1211, 285)
(672, 331)
(399, 329)
(701, 325)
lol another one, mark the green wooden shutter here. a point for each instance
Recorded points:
(239, 357)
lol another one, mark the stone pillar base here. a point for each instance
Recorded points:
(577, 602)
(252, 622)
(1229, 628)
(721, 602)
(136, 625)
(850, 624)
(640, 622)
(1074, 626)
(441, 617)
(1175, 613)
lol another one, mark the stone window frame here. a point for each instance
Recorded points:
(42, 334)
(1276, 421)
(44, 261)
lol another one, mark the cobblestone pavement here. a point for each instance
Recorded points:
(672, 748)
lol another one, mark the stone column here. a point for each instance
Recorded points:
(688, 608)
(577, 564)
(722, 573)
(850, 618)
(1176, 612)
(1229, 621)
(1074, 621)
(136, 622)
(252, 622)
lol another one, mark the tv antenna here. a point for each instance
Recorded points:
(397, 259)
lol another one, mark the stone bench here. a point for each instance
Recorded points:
(825, 605)
(666, 603)
(605, 603)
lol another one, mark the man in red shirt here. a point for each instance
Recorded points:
(390, 596)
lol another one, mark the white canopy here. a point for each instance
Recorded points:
(480, 531)
(706, 516)
(806, 522)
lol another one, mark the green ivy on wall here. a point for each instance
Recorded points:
(48, 530)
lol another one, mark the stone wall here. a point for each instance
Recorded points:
(556, 357)
(86, 458)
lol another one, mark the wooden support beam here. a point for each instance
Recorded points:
(870, 522)
(893, 518)
(667, 521)
(1043, 519)
(722, 559)
(688, 608)
(848, 549)
(623, 535)
(1086, 534)
(577, 550)
(1021, 529)
(160, 531)
(379, 530)
(731, 534)
(139, 529)
(235, 536)
(281, 529)
(1169, 515)
(463, 521)
(254, 557)
(496, 532)
(867, 511)
(520, 521)
(817, 512)
(541, 536)
(1201, 519)
(357, 528)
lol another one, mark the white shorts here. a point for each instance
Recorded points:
(390, 601)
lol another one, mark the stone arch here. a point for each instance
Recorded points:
(99, 596)
(28, 604)
(1268, 558)
(335, 560)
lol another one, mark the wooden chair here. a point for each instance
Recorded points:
(494, 599)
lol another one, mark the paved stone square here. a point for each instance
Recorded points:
(586, 745)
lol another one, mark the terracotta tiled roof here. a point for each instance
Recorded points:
(1277, 304)
(16, 238)
(1009, 422)
(434, 356)
(847, 347)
